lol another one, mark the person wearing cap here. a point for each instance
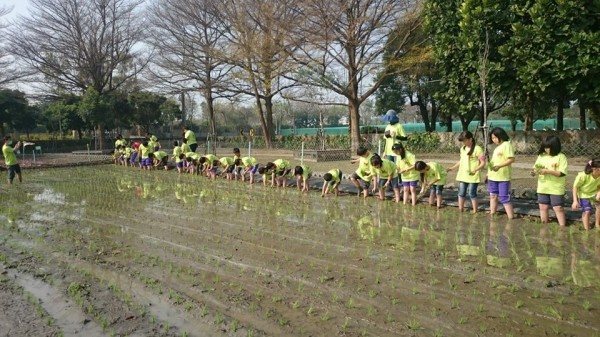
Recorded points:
(10, 160)
(393, 133)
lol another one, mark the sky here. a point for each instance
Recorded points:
(19, 7)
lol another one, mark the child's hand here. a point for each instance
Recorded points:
(575, 205)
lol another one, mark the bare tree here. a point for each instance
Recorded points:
(74, 45)
(260, 45)
(9, 72)
(189, 37)
(343, 46)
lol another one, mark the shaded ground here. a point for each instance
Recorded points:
(154, 253)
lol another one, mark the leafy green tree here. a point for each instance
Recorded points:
(461, 32)
(12, 104)
(147, 109)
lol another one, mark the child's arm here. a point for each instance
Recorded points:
(457, 164)
(503, 164)
(575, 204)
(481, 165)
(324, 189)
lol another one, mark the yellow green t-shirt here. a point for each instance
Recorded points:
(192, 155)
(587, 185)
(185, 148)
(190, 136)
(128, 151)
(306, 171)
(281, 164)
(501, 153)
(121, 142)
(547, 183)
(387, 169)
(210, 158)
(336, 176)
(436, 173)
(408, 163)
(9, 155)
(468, 163)
(226, 161)
(176, 152)
(160, 155)
(395, 130)
(364, 167)
(145, 151)
(249, 161)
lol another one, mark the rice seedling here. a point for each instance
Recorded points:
(483, 328)
(325, 317)
(561, 300)
(529, 322)
(438, 333)
(519, 304)
(552, 311)
(463, 320)
(371, 311)
(536, 294)
(346, 324)
(587, 305)
(413, 324)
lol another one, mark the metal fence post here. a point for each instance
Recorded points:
(302, 154)
(379, 147)
(249, 149)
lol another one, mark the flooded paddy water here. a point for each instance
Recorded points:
(155, 253)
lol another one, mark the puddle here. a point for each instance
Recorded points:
(66, 314)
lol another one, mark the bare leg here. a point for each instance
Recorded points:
(413, 195)
(439, 200)
(493, 203)
(397, 194)
(509, 210)
(461, 204)
(560, 215)
(475, 205)
(544, 213)
(585, 218)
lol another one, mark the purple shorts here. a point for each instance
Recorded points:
(254, 169)
(410, 183)
(180, 164)
(146, 162)
(501, 189)
(586, 205)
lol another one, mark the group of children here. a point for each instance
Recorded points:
(401, 173)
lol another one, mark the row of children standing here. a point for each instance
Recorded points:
(401, 169)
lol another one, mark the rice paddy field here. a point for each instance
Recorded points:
(115, 251)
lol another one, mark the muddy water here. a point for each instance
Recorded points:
(246, 260)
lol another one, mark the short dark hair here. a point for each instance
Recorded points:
(361, 151)
(420, 165)
(551, 142)
(298, 170)
(594, 163)
(467, 135)
(262, 170)
(399, 147)
(327, 176)
(236, 150)
(376, 160)
(175, 143)
(269, 165)
(237, 162)
(500, 134)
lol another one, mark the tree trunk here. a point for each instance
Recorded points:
(353, 109)
(424, 113)
(595, 113)
(101, 138)
(434, 115)
(211, 120)
(449, 123)
(269, 116)
(529, 114)
(560, 114)
(582, 121)
(263, 123)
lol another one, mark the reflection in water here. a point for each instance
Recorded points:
(477, 239)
